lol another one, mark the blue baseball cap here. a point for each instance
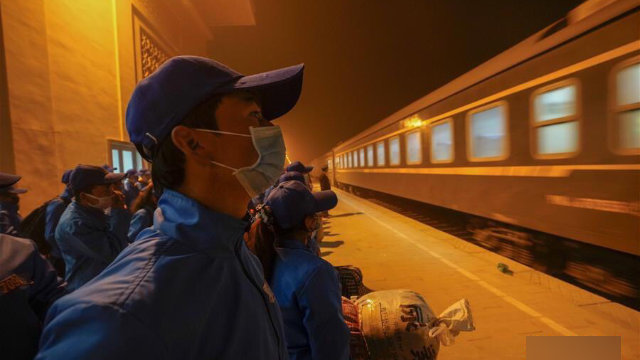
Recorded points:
(291, 175)
(7, 181)
(131, 172)
(109, 168)
(162, 100)
(84, 176)
(291, 202)
(299, 167)
(66, 176)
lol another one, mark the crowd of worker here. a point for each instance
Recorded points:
(211, 254)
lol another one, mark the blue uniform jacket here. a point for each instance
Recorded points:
(187, 288)
(308, 291)
(130, 191)
(9, 218)
(28, 285)
(141, 220)
(89, 240)
(54, 211)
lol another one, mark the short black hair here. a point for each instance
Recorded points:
(167, 171)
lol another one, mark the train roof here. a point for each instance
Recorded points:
(581, 19)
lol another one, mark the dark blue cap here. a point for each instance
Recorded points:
(131, 172)
(84, 176)
(66, 176)
(299, 167)
(7, 181)
(109, 168)
(162, 100)
(292, 201)
(291, 175)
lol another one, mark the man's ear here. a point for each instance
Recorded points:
(310, 223)
(186, 140)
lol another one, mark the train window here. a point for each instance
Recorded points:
(362, 163)
(394, 151)
(626, 134)
(355, 158)
(380, 152)
(487, 133)
(414, 147)
(370, 155)
(555, 120)
(442, 142)
(350, 157)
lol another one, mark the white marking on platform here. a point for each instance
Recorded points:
(519, 305)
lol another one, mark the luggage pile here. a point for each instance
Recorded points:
(397, 324)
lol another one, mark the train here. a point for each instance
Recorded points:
(544, 136)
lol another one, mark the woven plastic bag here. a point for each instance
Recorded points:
(399, 324)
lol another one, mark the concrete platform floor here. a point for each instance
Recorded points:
(397, 252)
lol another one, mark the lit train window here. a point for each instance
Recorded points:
(362, 163)
(487, 133)
(394, 151)
(442, 142)
(627, 108)
(414, 147)
(370, 155)
(344, 161)
(355, 158)
(380, 152)
(555, 120)
(350, 160)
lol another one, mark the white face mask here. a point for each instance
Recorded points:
(103, 203)
(269, 144)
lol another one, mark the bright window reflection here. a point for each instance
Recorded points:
(628, 88)
(370, 155)
(630, 129)
(414, 147)
(116, 161)
(362, 163)
(355, 158)
(380, 153)
(394, 151)
(558, 138)
(442, 142)
(127, 160)
(488, 128)
(628, 108)
(556, 103)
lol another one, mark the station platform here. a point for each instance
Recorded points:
(396, 252)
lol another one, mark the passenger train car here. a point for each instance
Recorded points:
(545, 136)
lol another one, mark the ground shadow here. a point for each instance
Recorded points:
(346, 214)
(326, 253)
(331, 244)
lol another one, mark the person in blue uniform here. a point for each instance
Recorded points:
(130, 190)
(144, 180)
(54, 211)
(306, 286)
(28, 286)
(188, 287)
(10, 204)
(298, 166)
(88, 238)
(142, 209)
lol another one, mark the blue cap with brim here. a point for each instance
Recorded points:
(131, 172)
(7, 181)
(162, 100)
(291, 175)
(299, 167)
(109, 168)
(291, 202)
(66, 176)
(84, 176)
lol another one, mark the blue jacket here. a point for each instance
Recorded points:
(308, 291)
(54, 211)
(89, 240)
(9, 218)
(130, 191)
(141, 220)
(187, 288)
(28, 285)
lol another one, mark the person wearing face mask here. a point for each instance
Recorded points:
(306, 286)
(88, 238)
(9, 204)
(188, 287)
(130, 190)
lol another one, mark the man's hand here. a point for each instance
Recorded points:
(118, 200)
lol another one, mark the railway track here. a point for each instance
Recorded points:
(611, 274)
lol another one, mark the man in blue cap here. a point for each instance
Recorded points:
(144, 180)
(9, 204)
(188, 287)
(306, 286)
(130, 190)
(55, 208)
(28, 286)
(89, 239)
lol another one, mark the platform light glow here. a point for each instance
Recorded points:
(414, 122)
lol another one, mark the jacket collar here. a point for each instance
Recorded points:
(183, 218)
(90, 216)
